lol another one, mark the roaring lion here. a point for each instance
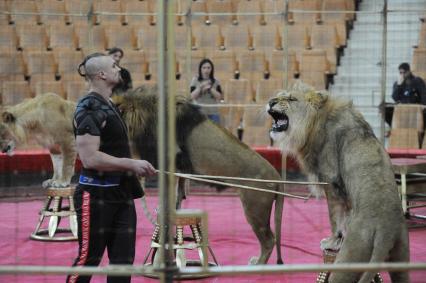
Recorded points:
(334, 144)
(207, 149)
(48, 119)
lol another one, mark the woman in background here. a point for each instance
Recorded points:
(205, 89)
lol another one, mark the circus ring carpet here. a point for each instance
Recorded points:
(231, 238)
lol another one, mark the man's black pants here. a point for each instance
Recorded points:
(103, 224)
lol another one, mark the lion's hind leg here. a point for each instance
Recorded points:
(400, 253)
(258, 212)
(357, 247)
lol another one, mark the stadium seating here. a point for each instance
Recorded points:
(256, 50)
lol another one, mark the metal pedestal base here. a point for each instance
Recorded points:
(54, 210)
(192, 243)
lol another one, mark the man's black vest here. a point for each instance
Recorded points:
(91, 113)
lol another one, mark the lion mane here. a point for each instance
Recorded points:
(334, 144)
(48, 119)
(207, 149)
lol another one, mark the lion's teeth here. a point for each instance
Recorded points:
(282, 122)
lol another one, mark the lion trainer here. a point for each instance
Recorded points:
(108, 181)
(334, 144)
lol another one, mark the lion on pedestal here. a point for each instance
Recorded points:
(48, 119)
(334, 144)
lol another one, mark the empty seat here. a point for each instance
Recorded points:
(12, 66)
(4, 17)
(135, 63)
(221, 12)
(184, 40)
(207, 37)
(8, 38)
(325, 37)
(107, 11)
(314, 67)
(283, 64)
(40, 63)
(146, 38)
(131, 8)
(296, 10)
(118, 35)
(225, 64)
(238, 91)
(14, 92)
(404, 138)
(62, 37)
(199, 13)
(408, 116)
(231, 118)
(250, 12)
(266, 38)
(32, 37)
(419, 60)
(68, 61)
(266, 89)
(76, 89)
(252, 65)
(295, 37)
(342, 9)
(24, 12)
(274, 11)
(422, 36)
(77, 10)
(256, 124)
(236, 37)
(90, 38)
(50, 86)
(48, 9)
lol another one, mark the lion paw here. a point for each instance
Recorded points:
(331, 243)
(50, 183)
(47, 183)
(253, 260)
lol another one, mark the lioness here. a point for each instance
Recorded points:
(334, 144)
(46, 118)
(207, 149)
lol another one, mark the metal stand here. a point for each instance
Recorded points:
(194, 242)
(54, 209)
(330, 257)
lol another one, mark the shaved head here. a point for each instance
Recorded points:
(98, 64)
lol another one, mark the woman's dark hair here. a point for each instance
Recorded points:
(202, 62)
(113, 50)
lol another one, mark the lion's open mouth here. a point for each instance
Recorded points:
(280, 123)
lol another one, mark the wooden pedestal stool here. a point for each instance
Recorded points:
(194, 242)
(55, 211)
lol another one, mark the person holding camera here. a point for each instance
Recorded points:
(206, 89)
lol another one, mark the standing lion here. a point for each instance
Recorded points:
(207, 149)
(334, 144)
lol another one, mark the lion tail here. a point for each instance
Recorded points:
(278, 215)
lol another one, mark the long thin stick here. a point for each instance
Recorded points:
(258, 180)
(188, 176)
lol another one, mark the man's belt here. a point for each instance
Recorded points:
(108, 181)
